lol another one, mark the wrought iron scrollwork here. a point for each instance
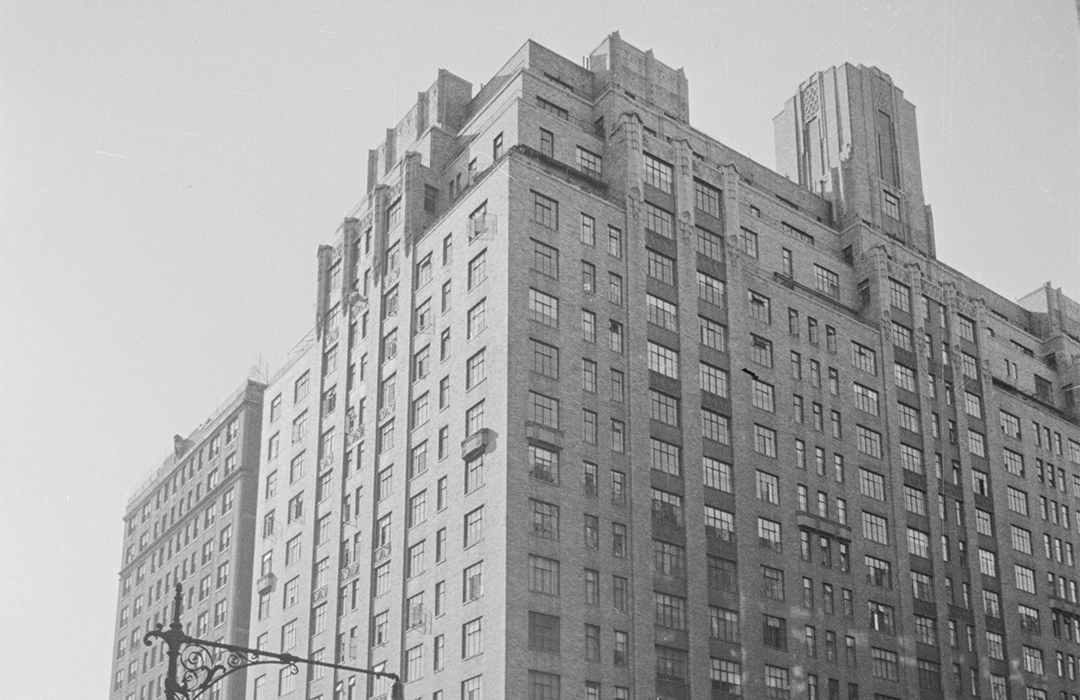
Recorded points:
(200, 668)
(195, 665)
(200, 663)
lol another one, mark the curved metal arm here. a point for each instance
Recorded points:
(193, 667)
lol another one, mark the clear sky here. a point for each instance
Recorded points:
(167, 171)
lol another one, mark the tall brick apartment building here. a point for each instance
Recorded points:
(192, 521)
(596, 407)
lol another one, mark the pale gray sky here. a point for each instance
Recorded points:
(167, 171)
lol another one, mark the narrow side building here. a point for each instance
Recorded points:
(192, 521)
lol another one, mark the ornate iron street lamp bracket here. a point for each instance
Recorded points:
(197, 664)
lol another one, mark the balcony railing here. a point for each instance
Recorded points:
(348, 573)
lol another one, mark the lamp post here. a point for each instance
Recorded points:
(194, 667)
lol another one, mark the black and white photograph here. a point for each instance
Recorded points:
(565, 350)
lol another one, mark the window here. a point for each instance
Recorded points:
(588, 376)
(761, 351)
(547, 142)
(714, 380)
(1017, 500)
(995, 645)
(1021, 539)
(544, 410)
(474, 527)
(620, 594)
(662, 313)
(667, 508)
(764, 441)
(543, 575)
(760, 306)
(592, 653)
(706, 198)
(777, 682)
(545, 259)
(723, 574)
(589, 426)
(615, 289)
(615, 336)
(868, 441)
(883, 664)
(773, 580)
(471, 638)
(827, 282)
(891, 207)
(615, 242)
(299, 427)
(918, 543)
(1025, 578)
(976, 443)
(987, 563)
(668, 559)
(909, 418)
(589, 162)
(769, 534)
(477, 318)
(1010, 424)
(659, 221)
(899, 295)
(768, 487)
(726, 676)
(719, 523)
(749, 241)
(660, 267)
(710, 289)
(875, 528)
(296, 507)
(972, 404)
(922, 586)
(717, 427)
(544, 308)
(713, 335)
(670, 611)
(664, 408)
(619, 542)
(588, 277)
(878, 572)
(414, 561)
(658, 173)
(301, 388)
(588, 326)
(671, 664)
(763, 395)
(544, 686)
(545, 519)
(863, 358)
(914, 500)
(544, 632)
(710, 244)
(470, 689)
(718, 475)
(663, 360)
(545, 211)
